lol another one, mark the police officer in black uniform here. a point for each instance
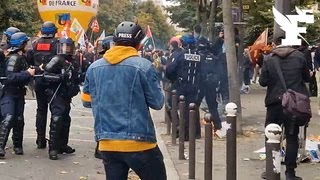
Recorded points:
(186, 69)
(4, 45)
(43, 50)
(105, 45)
(209, 80)
(62, 74)
(12, 102)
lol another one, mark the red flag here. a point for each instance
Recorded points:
(258, 45)
(95, 26)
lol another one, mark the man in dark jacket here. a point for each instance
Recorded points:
(296, 73)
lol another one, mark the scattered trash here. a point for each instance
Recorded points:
(186, 156)
(246, 159)
(83, 178)
(262, 156)
(76, 163)
(63, 172)
(3, 162)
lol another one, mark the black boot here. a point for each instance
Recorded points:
(41, 141)
(291, 175)
(65, 137)
(54, 142)
(4, 134)
(17, 136)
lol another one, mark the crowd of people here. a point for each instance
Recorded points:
(124, 82)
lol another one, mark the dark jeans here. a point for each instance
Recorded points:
(148, 165)
(246, 76)
(275, 115)
(208, 90)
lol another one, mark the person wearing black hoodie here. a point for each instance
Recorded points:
(295, 72)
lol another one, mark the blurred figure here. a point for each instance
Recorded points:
(247, 66)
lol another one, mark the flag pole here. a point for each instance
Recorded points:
(154, 45)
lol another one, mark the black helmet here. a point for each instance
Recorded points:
(105, 44)
(48, 29)
(10, 31)
(66, 46)
(18, 41)
(128, 34)
(202, 44)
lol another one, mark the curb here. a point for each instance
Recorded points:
(172, 173)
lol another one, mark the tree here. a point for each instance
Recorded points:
(111, 13)
(234, 92)
(152, 15)
(22, 14)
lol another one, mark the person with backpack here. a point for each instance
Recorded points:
(290, 65)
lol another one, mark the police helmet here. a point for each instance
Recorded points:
(188, 41)
(105, 44)
(9, 32)
(48, 29)
(202, 44)
(18, 41)
(66, 46)
(128, 34)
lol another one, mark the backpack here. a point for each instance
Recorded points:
(296, 105)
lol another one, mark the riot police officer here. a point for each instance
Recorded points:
(12, 102)
(4, 45)
(43, 50)
(209, 80)
(186, 69)
(62, 74)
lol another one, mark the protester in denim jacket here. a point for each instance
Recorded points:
(123, 86)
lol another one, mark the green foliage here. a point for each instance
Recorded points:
(184, 15)
(22, 14)
(111, 13)
(149, 14)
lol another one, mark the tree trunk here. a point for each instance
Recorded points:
(283, 6)
(212, 20)
(229, 41)
(240, 58)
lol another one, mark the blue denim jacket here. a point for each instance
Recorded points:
(121, 97)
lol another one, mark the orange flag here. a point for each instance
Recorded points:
(258, 45)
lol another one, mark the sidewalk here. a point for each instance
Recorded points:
(249, 165)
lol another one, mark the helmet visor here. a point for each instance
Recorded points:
(64, 48)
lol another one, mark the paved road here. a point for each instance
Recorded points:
(249, 166)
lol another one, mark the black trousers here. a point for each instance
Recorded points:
(60, 121)
(42, 109)
(147, 164)
(12, 108)
(275, 115)
(208, 91)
